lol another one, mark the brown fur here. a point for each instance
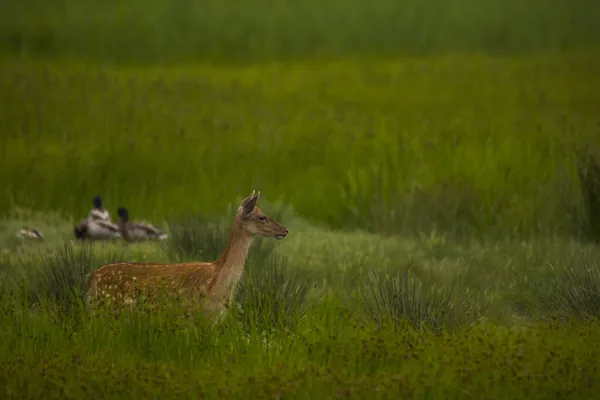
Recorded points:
(213, 283)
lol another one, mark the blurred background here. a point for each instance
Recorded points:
(243, 31)
(391, 116)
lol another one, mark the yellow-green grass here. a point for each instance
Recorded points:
(472, 143)
(484, 363)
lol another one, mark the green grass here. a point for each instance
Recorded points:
(166, 31)
(437, 164)
(319, 314)
(465, 145)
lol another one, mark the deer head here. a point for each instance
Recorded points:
(254, 222)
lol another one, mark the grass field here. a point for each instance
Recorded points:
(471, 144)
(437, 165)
(320, 314)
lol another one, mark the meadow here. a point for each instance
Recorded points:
(437, 165)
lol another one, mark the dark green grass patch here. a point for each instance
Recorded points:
(60, 273)
(275, 295)
(488, 362)
(588, 169)
(401, 296)
(249, 31)
(568, 291)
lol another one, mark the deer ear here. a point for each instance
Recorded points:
(250, 202)
(247, 199)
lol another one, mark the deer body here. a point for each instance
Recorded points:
(212, 283)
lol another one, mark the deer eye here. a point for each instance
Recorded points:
(262, 218)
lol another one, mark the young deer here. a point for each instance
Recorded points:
(213, 283)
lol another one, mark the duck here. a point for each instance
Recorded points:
(98, 212)
(96, 229)
(29, 233)
(136, 230)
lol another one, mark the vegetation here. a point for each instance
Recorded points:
(465, 145)
(420, 317)
(167, 31)
(437, 165)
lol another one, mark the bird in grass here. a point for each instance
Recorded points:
(99, 212)
(97, 225)
(135, 230)
(96, 229)
(29, 233)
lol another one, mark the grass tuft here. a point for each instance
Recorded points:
(60, 274)
(572, 293)
(273, 295)
(400, 296)
(588, 169)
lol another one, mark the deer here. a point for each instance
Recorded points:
(212, 284)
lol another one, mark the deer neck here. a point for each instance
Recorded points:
(230, 265)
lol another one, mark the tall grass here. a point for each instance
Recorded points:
(474, 145)
(401, 297)
(570, 291)
(55, 279)
(274, 295)
(588, 169)
(162, 31)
